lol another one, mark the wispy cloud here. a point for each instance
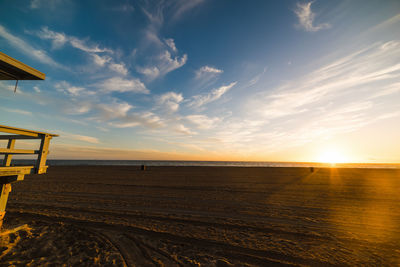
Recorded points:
(77, 108)
(115, 109)
(84, 138)
(101, 56)
(171, 44)
(167, 58)
(118, 84)
(27, 49)
(365, 67)
(159, 11)
(68, 89)
(338, 98)
(165, 64)
(150, 72)
(183, 7)
(203, 121)
(169, 63)
(306, 18)
(145, 119)
(207, 71)
(119, 68)
(19, 111)
(170, 101)
(180, 128)
(59, 39)
(387, 90)
(201, 100)
(101, 60)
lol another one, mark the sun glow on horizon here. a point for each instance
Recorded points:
(332, 156)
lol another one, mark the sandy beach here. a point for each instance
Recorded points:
(203, 216)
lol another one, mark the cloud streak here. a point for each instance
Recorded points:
(27, 49)
(306, 18)
(59, 39)
(165, 64)
(201, 100)
(363, 69)
(118, 84)
(170, 101)
(207, 71)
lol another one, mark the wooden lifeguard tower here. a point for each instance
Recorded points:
(11, 69)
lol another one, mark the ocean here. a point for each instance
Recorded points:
(59, 162)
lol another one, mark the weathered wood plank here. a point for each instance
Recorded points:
(18, 170)
(15, 136)
(18, 151)
(15, 130)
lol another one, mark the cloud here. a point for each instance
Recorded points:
(82, 45)
(119, 68)
(365, 69)
(387, 90)
(207, 71)
(202, 121)
(84, 138)
(170, 101)
(201, 100)
(37, 89)
(75, 108)
(145, 119)
(180, 128)
(150, 72)
(118, 84)
(306, 18)
(68, 89)
(59, 39)
(171, 44)
(183, 7)
(158, 12)
(101, 60)
(19, 111)
(337, 98)
(113, 110)
(27, 49)
(166, 63)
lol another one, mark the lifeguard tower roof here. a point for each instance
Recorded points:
(12, 69)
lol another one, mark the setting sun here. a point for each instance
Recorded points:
(333, 156)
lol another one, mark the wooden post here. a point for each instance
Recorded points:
(42, 157)
(8, 157)
(5, 188)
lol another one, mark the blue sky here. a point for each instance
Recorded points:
(208, 80)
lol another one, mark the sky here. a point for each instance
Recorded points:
(207, 80)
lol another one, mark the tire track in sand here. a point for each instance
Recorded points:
(135, 252)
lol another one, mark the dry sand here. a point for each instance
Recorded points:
(203, 216)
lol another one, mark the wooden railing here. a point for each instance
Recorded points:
(9, 173)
